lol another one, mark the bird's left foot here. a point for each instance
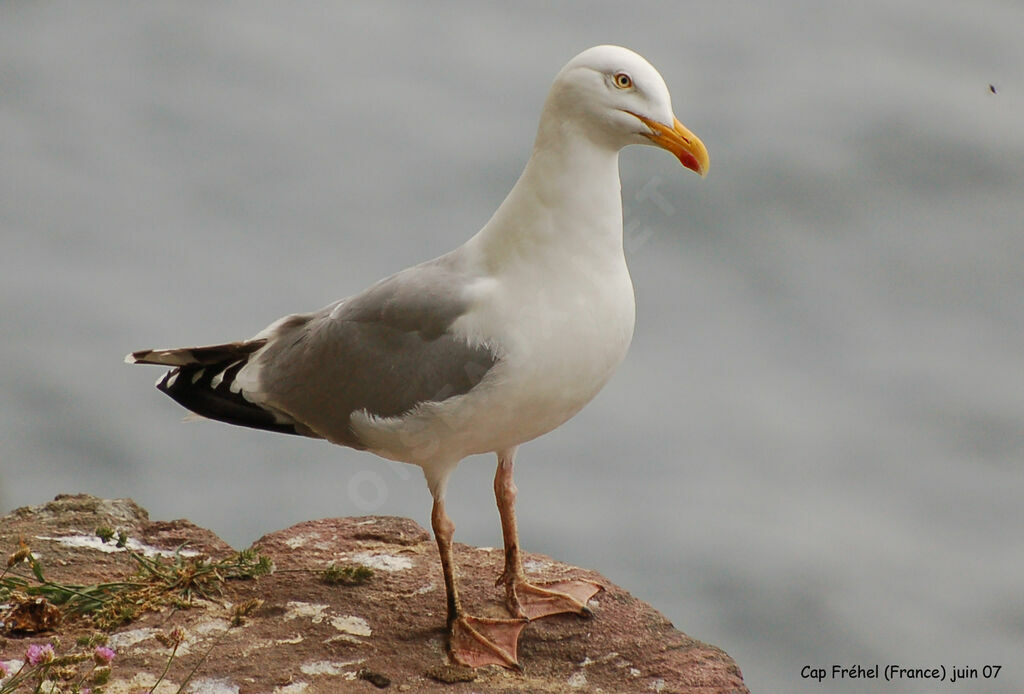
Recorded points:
(478, 641)
(533, 601)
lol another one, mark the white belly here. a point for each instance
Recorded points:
(558, 345)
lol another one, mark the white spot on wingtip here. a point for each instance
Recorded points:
(219, 378)
(216, 380)
(130, 359)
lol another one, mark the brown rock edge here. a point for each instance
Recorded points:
(310, 637)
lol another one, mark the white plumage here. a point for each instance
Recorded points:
(482, 349)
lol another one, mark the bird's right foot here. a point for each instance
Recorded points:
(533, 601)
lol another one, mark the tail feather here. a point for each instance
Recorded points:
(203, 380)
(191, 356)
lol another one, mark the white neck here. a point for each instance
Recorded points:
(567, 201)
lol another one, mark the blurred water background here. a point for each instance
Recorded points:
(812, 455)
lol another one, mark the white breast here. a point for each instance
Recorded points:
(559, 343)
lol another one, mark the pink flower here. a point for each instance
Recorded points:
(103, 655)
(36, 654)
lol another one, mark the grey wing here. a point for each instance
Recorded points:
(383, 351)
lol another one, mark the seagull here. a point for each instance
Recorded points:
(479, 350)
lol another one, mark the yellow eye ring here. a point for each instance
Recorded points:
(622, 80)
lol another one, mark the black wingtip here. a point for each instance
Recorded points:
(193, 387)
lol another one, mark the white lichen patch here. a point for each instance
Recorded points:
(260, 644)
(311, 539)
(208, 685)
(302, 610)
(657, 685)
(349, 625)
(142, 681)
(368, 521)
(344, 638)
(205, 628)
(383, 562)
(577, 680)
(587, 660)
(126, 639)
(293, 688)
(536, 566)
(297, 541)
(330, 667)
(93, 542)
(633, 672)
(208, 626)
(357, 626)
(254, 646)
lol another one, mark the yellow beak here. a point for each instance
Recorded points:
(686, 146)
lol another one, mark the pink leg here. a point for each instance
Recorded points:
(525, 599)
(472, 641)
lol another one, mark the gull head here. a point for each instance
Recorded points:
(614, 97)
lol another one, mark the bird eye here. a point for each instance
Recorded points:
(623, 81)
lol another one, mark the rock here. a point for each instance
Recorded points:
(292, 632)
